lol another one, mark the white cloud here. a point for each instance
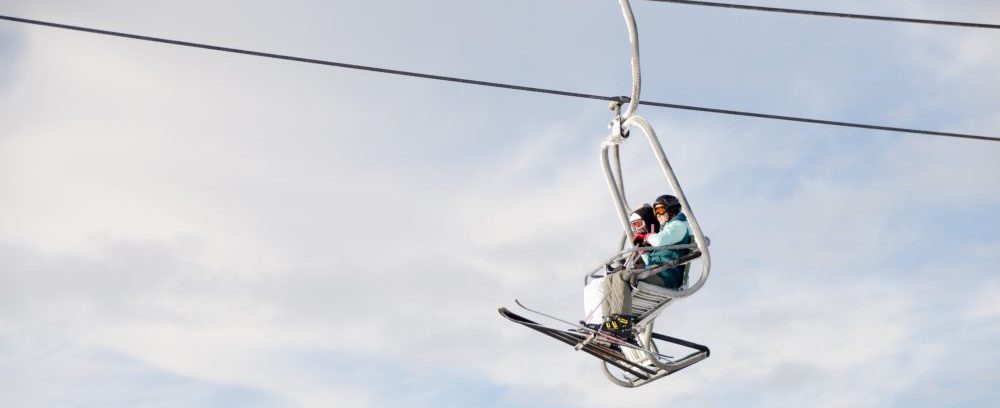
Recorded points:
(222, 222)
(985, 302)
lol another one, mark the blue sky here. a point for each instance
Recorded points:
(181, 227)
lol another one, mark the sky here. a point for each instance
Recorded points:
(189, 228)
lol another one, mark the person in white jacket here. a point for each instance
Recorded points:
(595, 303)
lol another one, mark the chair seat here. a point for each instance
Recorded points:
(647, 298)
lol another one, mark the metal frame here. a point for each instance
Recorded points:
(611, 163)
(664, 367)
(614, 180)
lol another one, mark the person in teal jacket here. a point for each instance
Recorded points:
(673, 230)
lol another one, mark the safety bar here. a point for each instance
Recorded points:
(602, 269)
(644, 273)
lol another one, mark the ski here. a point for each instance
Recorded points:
(518, 301)
(596, 349)
(635, 369)
(601, 335)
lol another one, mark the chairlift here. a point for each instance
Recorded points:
(649, 301)
(623, 363)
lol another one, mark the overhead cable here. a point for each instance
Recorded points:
(830, 14)
(491, 84)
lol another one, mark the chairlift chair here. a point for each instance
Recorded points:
(649, 301)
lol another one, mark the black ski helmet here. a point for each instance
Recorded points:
(670, 203)
(649, 217)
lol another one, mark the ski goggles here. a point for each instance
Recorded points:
(660, 210)
(638, 224)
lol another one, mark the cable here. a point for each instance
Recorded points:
(829, 14)
(298, 59)
(492, 84)
(821, 121)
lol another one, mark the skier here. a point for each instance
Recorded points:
(673, 230)
(643, 221)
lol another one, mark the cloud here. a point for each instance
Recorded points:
(986, 304)
(43, 371)
(276, 234)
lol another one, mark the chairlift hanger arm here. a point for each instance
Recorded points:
(633, 35)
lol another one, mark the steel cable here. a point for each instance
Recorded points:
(493, 84)
(830, 14)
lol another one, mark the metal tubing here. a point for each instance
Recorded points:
(633, 36)
(616, 194)
(616, 153)
(665, 367)
(699, 237)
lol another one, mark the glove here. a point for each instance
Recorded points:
(639, 238)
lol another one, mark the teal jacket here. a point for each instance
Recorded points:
(674, 232)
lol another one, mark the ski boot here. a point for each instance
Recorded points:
(621, 326)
